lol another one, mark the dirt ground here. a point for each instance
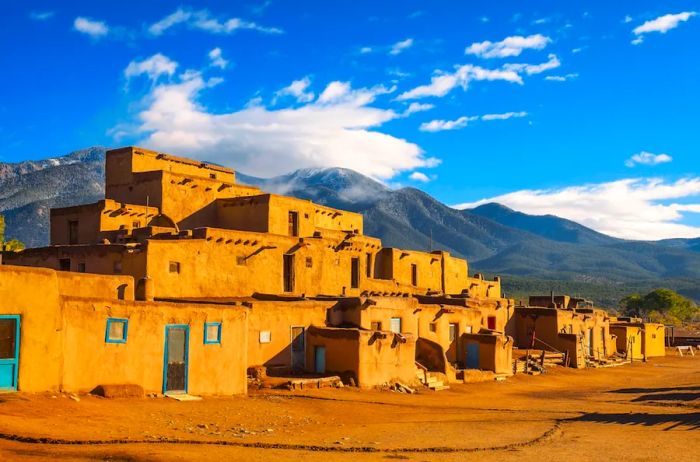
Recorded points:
(641, 412)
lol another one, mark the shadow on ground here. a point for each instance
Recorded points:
(688, 421)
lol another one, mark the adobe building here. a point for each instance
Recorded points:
(197, 252)
(567, 325)
(638, 340)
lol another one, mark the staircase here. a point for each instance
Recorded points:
(432, 380)
(537, 362)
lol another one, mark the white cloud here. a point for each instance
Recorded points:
(561, 78)
(399, 47)
(442, 83)
(540, 21)
(442, 125)
(203, 20)
(628, 19)
(365, 50)
(41, 15)
(635, 208)
(508, 47)
(417, 107)
(662, 24)
(154, 67)
(216, 58)
(530, 69)
(648, 158)
(340, 130)
(298, 90)
(419, 176)
(91, 27)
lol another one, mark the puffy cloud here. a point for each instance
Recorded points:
(561, 78)
(662, 24)
(340, 128)
(442, 83)
(530, 69)
(91, 27)
(154, 67)
(508, 47)
(648, 158)
(297, 89)
(636, 208)
(41, 15)
(399, 47)
(216, 58)
(441, 125)
(419, 176)
(203, 20)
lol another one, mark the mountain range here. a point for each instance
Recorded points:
(495, 239)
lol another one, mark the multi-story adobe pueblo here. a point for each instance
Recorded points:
(181, 280)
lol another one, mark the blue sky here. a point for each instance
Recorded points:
(583, 109)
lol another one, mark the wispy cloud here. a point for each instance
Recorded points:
(341, 127)
(153, 67)
(508, 47)
(648, 158)
(561, 78)
(204, 20)
(442, 125)
(91, 27)
(662, 24)
(417, 107)
(298, 90)
(41, 15)
(401, 46)
(530, 69)
(442, 83)
(216, 58)
(419, 176)
(635, 208)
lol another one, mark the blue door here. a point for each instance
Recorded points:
(175, 364)
(9, 351)
(320, 359)
(472, 359)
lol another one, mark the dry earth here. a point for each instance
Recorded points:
(640, 412)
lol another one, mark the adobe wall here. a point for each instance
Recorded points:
(627, 336)
(654, 340)
(33, 294)
(495, 351)
(90, 361)
(95, 286)
(342, 352)
(277, 318)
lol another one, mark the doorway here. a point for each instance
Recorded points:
(298, 343)
(176, 358)
(9, 351)
(294, 224)
(355, 273)
(288, 273)
(320, 359)
(472, 356)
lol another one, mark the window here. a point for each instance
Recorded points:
(491, 322)
(396, 325)
(136, 224)
(376, 325)
(368, 270)
(293, 223)
(468, 330)
(309, 262)
(355, 273)
(64, 264)
(433, 327)
(118, 267)
(117, 330)
(454, 331)
(265, 336)
(81, 267)
(174, 267)
(414, 274)
(212, 333)
(73, 232)
(212, 176)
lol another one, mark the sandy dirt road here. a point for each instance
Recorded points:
(641, 412)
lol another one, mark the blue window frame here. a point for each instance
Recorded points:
(212, 333)
(117, 330)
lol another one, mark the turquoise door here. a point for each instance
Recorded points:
(9, 351)
(472, 353)
(320, 359)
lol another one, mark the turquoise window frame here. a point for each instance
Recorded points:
(126, 330)
(217, 340)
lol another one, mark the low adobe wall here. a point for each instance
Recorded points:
(495, 352)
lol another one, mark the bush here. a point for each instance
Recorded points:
(660, 305)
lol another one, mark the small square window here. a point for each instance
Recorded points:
(64, 264)
(309, 262)
(174, 266)
(433, 327)
(265, 336)
(376, 325)
(117, 330)
(136, 224)
(81, 267)
(212, 333)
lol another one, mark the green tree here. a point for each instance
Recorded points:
(11, 245)
(661, 305)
